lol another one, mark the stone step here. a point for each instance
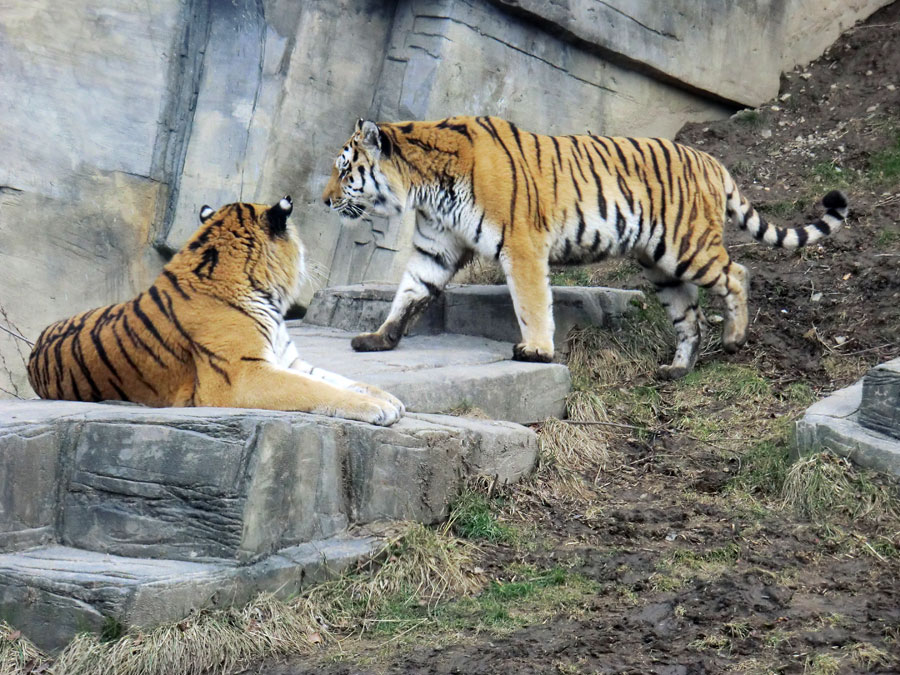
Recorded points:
(486, 311)
(445, 372)
(53, 592)
(180, 506)
(202, 484)
(834, 424)
(880, 406)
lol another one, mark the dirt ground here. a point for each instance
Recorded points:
(687, 573)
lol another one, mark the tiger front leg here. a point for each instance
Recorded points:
(528, 279)
(260, 384)
(436, 258)
(342, 382)
(680, 300)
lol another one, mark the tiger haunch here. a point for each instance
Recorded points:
(208, 332)
(481, 185)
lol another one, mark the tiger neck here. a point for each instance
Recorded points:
(425, 155)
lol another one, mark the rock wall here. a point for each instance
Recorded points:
(121, 118)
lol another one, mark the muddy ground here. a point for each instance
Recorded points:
(688, 573)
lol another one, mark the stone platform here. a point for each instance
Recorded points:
(861, 422)
(134, 515)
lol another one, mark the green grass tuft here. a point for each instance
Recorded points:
(473, 516)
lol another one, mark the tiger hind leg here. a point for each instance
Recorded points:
(680, 300)
(733, 285)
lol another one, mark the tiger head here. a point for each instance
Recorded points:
(249, 246)
(362, 181)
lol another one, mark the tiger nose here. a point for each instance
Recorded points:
(327, 200)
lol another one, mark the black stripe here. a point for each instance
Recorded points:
(436, 257)
(148, 324)
(500, 245)
(78, 356)
(660, 250)
(763, 228)
(458, 128)
(668, 283)
(98, 343)
(822, 227)
(703, 270)
(122, 395)
(782, 233)
(210, 258)
(251, 358)
(139, 342)
(581, 224)
(478, 229)
(802, 236)
(174, 281)
(130, 362)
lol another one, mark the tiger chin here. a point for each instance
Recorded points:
(208, 332)
(480, 185)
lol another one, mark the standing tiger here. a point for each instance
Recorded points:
(208, 332)
(481, 185)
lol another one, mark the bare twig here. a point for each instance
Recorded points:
(17, 336)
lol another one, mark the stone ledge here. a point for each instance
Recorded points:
(53, 592)
(215, 484)
(833, 424)
(446, 372)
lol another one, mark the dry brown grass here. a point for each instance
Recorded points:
(216, 641)
(18, 656)
(822, 486)
(424, 564)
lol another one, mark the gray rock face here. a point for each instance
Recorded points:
(141, 515)
(123, 118)
(880, 406)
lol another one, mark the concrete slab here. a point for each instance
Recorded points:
(51, 593)
(880, 406)
(441, 373)
(833, 424)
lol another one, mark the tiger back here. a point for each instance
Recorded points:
(480, 185)
(209, 331)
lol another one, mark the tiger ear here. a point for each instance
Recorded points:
(277, 215)
(205, 213)
(371, 136)
(359, 123)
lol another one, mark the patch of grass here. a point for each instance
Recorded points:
(887, 238)
(822, 485)
(726, 381)
(763, 468)
(884, 166)
(800, 393)
(571, 276)
(833, 176)
(724, 555)
(821, 664)
(782, 208)
(750, 117)
(473, 516)
(867, 656)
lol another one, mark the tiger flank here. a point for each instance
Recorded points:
(208, 332)
(481, 185)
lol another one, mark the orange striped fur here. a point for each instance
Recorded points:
(482, 186)
(208, 332)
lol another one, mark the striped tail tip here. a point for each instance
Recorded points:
(836, 200)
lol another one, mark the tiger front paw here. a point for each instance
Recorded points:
(524, 352)
(373, 410)
(375, 392)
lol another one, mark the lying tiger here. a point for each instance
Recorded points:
(208, 332)
(481, 185)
